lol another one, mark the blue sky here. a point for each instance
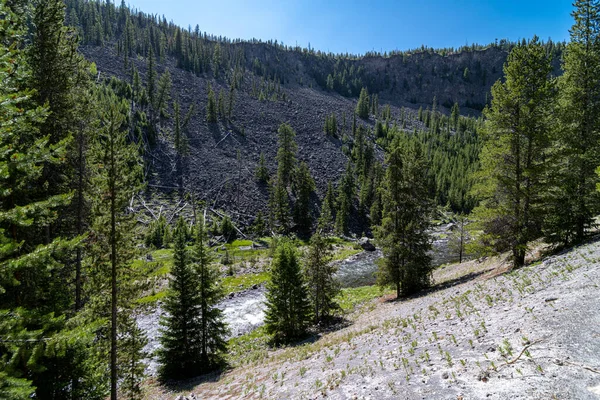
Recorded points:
(359, 26)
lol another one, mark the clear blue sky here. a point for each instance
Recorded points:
(360, 26)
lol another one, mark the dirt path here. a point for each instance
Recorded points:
(530, 334)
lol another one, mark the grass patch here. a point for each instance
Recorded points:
(243, 282)
(248, 348)
(350, 298)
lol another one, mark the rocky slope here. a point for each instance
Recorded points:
(481, 332)
(216, 174)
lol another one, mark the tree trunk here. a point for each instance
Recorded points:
(113, 259)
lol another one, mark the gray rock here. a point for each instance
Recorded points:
(366, 244)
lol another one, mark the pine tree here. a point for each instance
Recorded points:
(231, 101)
(180, 354)
(262, 172)
(288, 309)
(22, 159)
(346, 194)
(116, 179)
(286, 154)
(221, 104)
(132, 368)
(455, 114)
(403, 233)
(163, 95)
(573, 200)
(304, 186)
(327, 211)
(47, 353)
(211, 106)
(514, 157)
(213, 329)
(279, 207)
(151, 77)
(362, 107)
(320, 271)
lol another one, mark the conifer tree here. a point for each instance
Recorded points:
(163, 95)
(151, 77)
(47, 353)
(514, 157)
(262, 172)
(346, 193)
(279, 207)
(288, 309)
(327, 211)
(286, 154)
(403, 233)
(231, 101)
(116, 179)
(221, 104)
(573, 200)
(180, 355)
(362, 107)
(22, 157)
(213, 329)
(211, 106)
(320, 271)
(304, 186)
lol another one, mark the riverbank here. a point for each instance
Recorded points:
(481, 332)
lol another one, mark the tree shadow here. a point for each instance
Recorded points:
(332, 324)
(188, 384)
(438, 287)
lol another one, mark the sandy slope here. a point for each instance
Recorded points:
(483, 334)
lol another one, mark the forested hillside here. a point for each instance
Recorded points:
(257, 86)
(133, 154)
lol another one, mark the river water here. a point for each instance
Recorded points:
(245, 311)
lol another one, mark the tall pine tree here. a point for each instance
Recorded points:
(403, 233)
(573, 200)
(288, 309)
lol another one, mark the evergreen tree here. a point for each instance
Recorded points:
(362, 108)
(304, 186)
(231, 101)
(346, 194)
(286, 154)
(514, 157)
(180, 355)
(116, 178)
(46, 355)
(455, 114)
(573, 199)
(213, 329)
(403, 233)
(221, 104)
(211, 106)
(288, 309)
(22, 157)
(327, 211)
(259, 227)
(151, 77)
(163, 95)
(320, 271)
(262, 172)
(279, 207)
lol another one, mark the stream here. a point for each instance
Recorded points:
(245, 311)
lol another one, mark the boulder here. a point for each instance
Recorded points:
(366, 244)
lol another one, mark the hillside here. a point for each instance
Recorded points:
(271, 84)
(217, 176)
(481, 332)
